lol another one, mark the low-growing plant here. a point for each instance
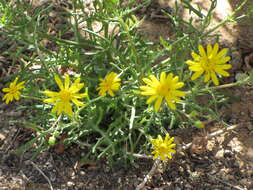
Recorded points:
(95, 81)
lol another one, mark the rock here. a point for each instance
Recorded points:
(220, 154)
(2, 138)
(70, 184)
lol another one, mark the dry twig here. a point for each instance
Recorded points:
(42, 173)
(149, 175)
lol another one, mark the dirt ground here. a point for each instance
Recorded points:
(223, 162)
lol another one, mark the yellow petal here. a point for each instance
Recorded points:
(224, 60)
(50, 93)
(154, 79)
(197, 74)
(215, 49)
(196, 68)
(78, 96)
(207, 77)
(59, 82)
(222, 72)
(20, 85)
(214, 78)
(179, 85)
(148, 93)
(115, 86)
(202, 51)
(50, 100)
(190, 62)
(225, 66)
(17, 95)
(209, 50)
(6, 89)
(158, 103)
(170, 104)
(66, 82)
(195, 56)
(147, 88)
(162, 77)
(175, 79)
(68, 109)
(110, 92)
(77, 102)
(55, 108)
(14, 82)
(151, 99)
(222, 53)
(179, 93)
(171, 140)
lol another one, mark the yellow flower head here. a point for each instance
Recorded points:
(66, 95)
(166, 89)
(209, 63)
(163, 148)
(110, 83)
(13, 91)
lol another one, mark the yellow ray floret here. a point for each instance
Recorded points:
(209, 63)
(163, 147)
(166, 89)
(110, 83)
(68, 93)
(13, 92)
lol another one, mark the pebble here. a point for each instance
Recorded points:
(244, 181)
(14, 114)
(219, 154)
(70, 183)
(2, 137)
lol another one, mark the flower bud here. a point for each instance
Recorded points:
(199, 124)
(51, 140)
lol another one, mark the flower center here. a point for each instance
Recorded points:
(208, 64)
(163, 147)
(65, 95)
(13, 90)
(108, 85)
(163, 89)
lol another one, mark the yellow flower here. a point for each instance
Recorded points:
(110, 83)
(209, 63)
(13, 91)
(166, 89)
(66, 95)
(163, 148)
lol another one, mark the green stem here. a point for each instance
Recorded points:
(245, 81)
(31, 97)
(90, 102)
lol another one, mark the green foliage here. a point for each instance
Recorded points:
(91, 44)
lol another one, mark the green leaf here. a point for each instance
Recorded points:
(165, 44)
(251, 77)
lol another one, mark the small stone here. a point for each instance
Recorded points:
(219, 154)
(2, 138)
(247, 124)
(244, 181)
(70, 183)
(14, 114)
(181, 169)
(240, 76)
